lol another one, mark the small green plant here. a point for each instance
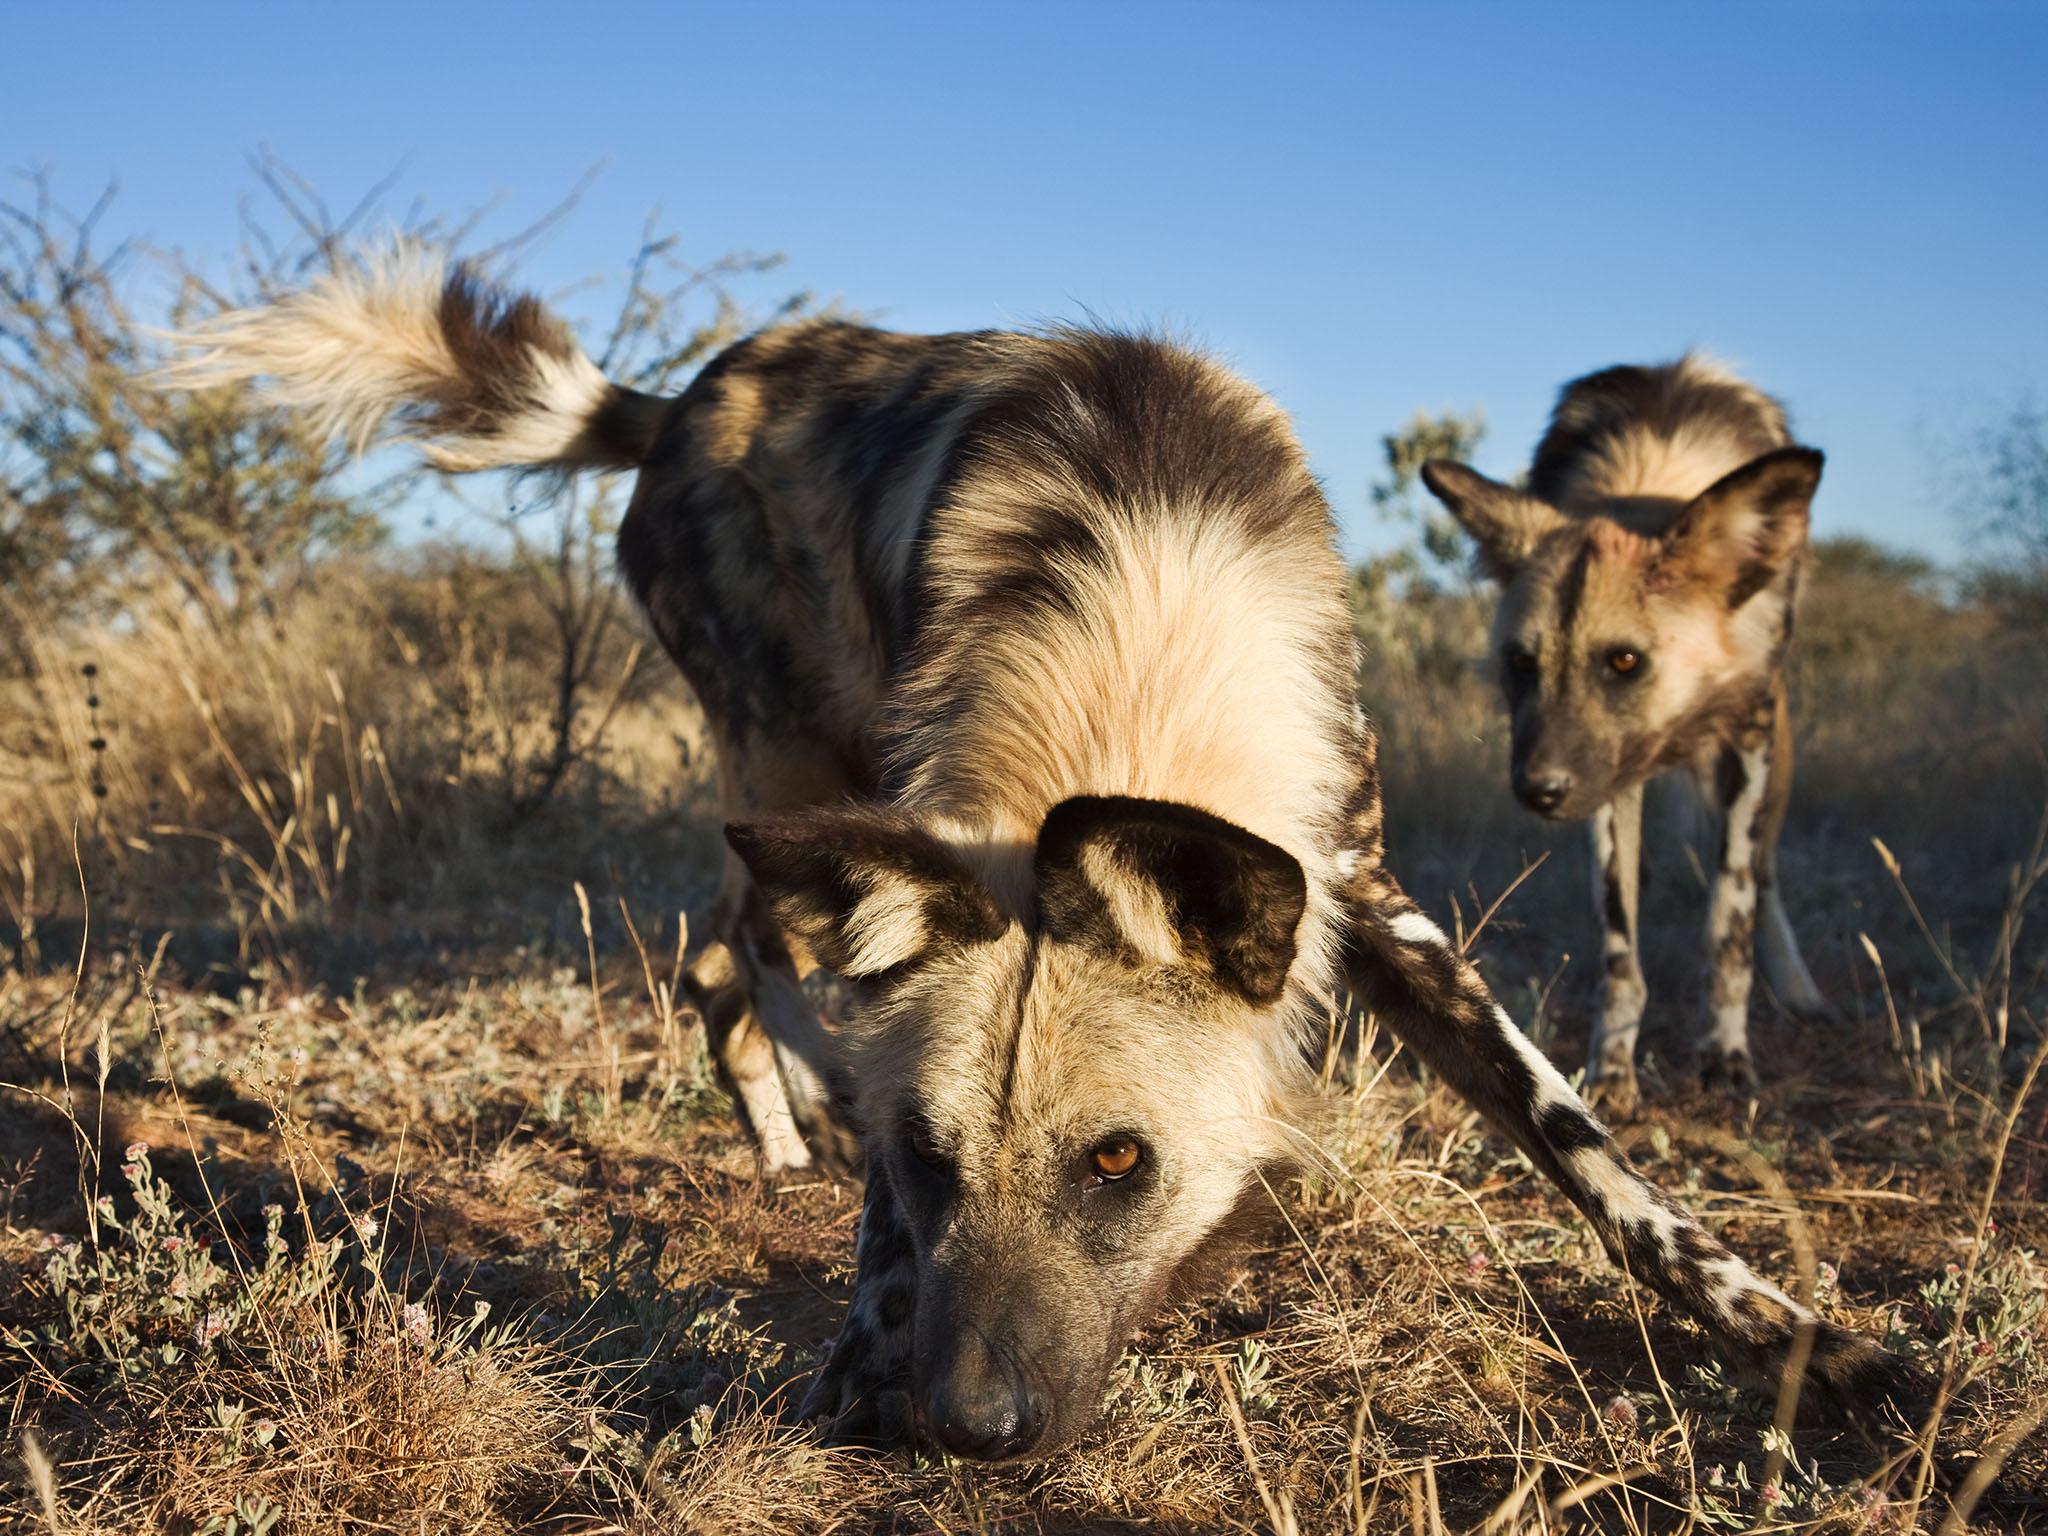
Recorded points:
(253, 1515)
(2001, 1320)
(151, 1287)
(1156, 1392)
(1253, 1372)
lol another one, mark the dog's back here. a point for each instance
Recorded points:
(1000, 568)
(1637, 442)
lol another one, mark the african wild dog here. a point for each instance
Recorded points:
(1649, 574)
(1034, 689)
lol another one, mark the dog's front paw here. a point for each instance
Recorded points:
(1865, 1382)
(1614, 1091)
(1728, 1072)
(861, 1395)
(835, 1150)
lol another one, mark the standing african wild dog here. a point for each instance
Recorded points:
(1649, 575)
(1033, 687)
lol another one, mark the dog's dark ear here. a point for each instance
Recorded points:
(1158, 883)
(1507, 524)
(867, 890)
(1740, 531)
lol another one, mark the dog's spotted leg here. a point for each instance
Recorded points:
(772, 1052)
(1402, 966)
(1617, 829)
(1741, 777)
(862, 1393)
(805, 1054)
(744, 1057)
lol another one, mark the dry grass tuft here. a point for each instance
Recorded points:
(353, 766)
(755, 1478)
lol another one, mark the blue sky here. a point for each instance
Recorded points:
(1366, 208)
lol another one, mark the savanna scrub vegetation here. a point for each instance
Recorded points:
(361, 1168)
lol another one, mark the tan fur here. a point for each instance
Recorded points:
(1191, 636)
(1642, 472)
(887, 925)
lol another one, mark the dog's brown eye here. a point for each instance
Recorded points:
(1115, 1158)
(924, 1148)
(1521, 660)
(1623, 660)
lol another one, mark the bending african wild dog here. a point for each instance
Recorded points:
(1034, 691)
(1649, 575)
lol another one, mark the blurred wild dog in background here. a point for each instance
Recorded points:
(1648, 575)
(1035, 694)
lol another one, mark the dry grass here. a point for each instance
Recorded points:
(350, 769)
(440, 1228)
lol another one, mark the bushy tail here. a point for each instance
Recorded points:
(475, 377)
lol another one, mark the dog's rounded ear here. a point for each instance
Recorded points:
(1738, 533)
(865, 889)
(1505, 523)
(1160, 883)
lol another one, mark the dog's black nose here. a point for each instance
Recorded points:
(989, 1419)
(1544, 790)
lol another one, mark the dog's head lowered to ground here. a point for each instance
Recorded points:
(1068, 1079)
(1647, 574)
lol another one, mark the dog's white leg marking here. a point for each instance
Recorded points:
(1617, 835)
(1731, 915)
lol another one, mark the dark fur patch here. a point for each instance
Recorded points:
(1777, 490)
(492, 336)
(1615, 897)
(1732, 960)
(1568, 1129)
(1571, 592)
(813, 867)
(738, 663)
(897, 1305)
(1235, 899)
(854, 1338)
(1731, 778)
(1156, 429)
(880, 430)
